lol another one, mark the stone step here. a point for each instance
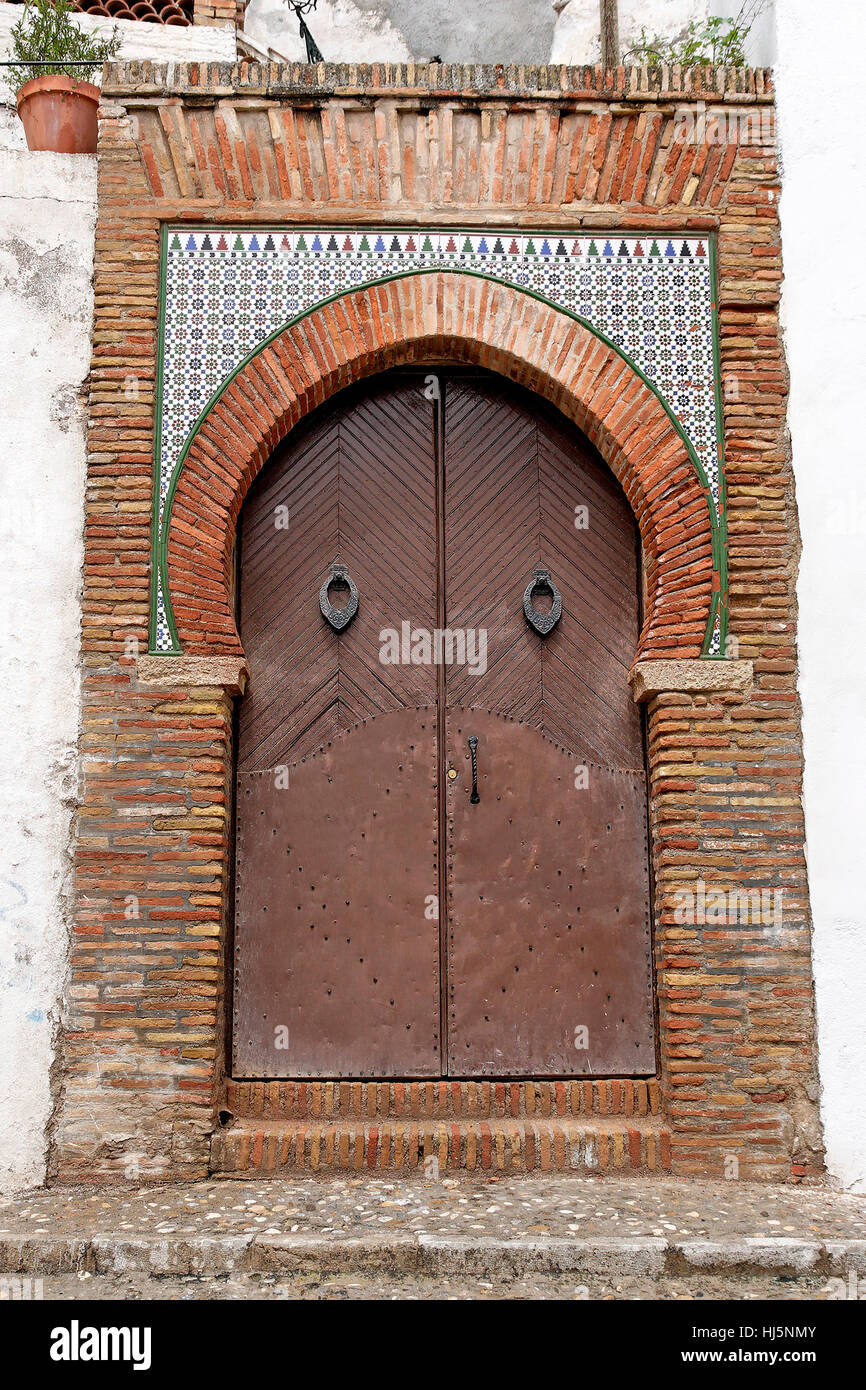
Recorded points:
(440, 1100)
(484, 1224)
(376, 1285)
(249, 1148)
(29, 1254)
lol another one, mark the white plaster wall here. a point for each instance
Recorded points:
(365, 31)
(47, 218)
(343, 31)
(576, 36)
(560, 31)
(823, 209)
(761, 48)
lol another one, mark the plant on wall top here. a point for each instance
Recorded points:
(711, 42)
(46, 41)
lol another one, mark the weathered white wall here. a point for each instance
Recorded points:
(470, 31)
(365, 31)
(343, 31)
(473, 31)
(823, 208)
(47, 217)
(576, 36)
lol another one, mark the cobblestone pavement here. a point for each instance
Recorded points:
(465, 1237)
(314, 1287)
(509, 1208)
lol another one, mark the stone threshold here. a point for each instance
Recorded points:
(26, 1253)
(250, 1149)
(440, 1099)
(479, 1222)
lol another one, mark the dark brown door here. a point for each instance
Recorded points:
(336, 963)
(442, 494)
(548, 961)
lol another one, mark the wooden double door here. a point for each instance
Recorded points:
(441, 855)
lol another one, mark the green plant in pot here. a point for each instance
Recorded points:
(52, 61)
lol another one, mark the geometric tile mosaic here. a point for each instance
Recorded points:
(227, 290)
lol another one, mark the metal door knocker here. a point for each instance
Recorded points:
(542, 584)
(339, 578)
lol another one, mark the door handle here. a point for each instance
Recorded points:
(473, 750)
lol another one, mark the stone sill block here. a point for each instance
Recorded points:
(689, 677)
(229, 673)
(647, 678)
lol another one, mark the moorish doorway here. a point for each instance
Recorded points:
(441, 862)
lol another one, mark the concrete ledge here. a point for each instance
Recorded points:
(651, 678)
(230, 673)
(161, 1256)
(845, 1255)
(602, 1256)
(26, 1253)
(395, 1253)
(460, 1255)
(782, 1254)
(423, 1254)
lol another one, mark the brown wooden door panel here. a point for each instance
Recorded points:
(334, 869)
(294, 665)
(513, 478)
(491, 518)
(548, 893)
(548, 909)
(441, 513)
(337, 963)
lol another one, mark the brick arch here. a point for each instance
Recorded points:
(433, 317)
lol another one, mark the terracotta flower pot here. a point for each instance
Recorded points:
(59, 114)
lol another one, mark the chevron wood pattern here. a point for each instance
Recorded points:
(514, 478)
(358, 484)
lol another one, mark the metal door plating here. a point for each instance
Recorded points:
(336, 949)
(548, 962)
(475, 513)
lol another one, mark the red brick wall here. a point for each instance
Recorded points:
(144, 1049)
(221, 12)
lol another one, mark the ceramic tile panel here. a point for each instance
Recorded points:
(226, 291)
